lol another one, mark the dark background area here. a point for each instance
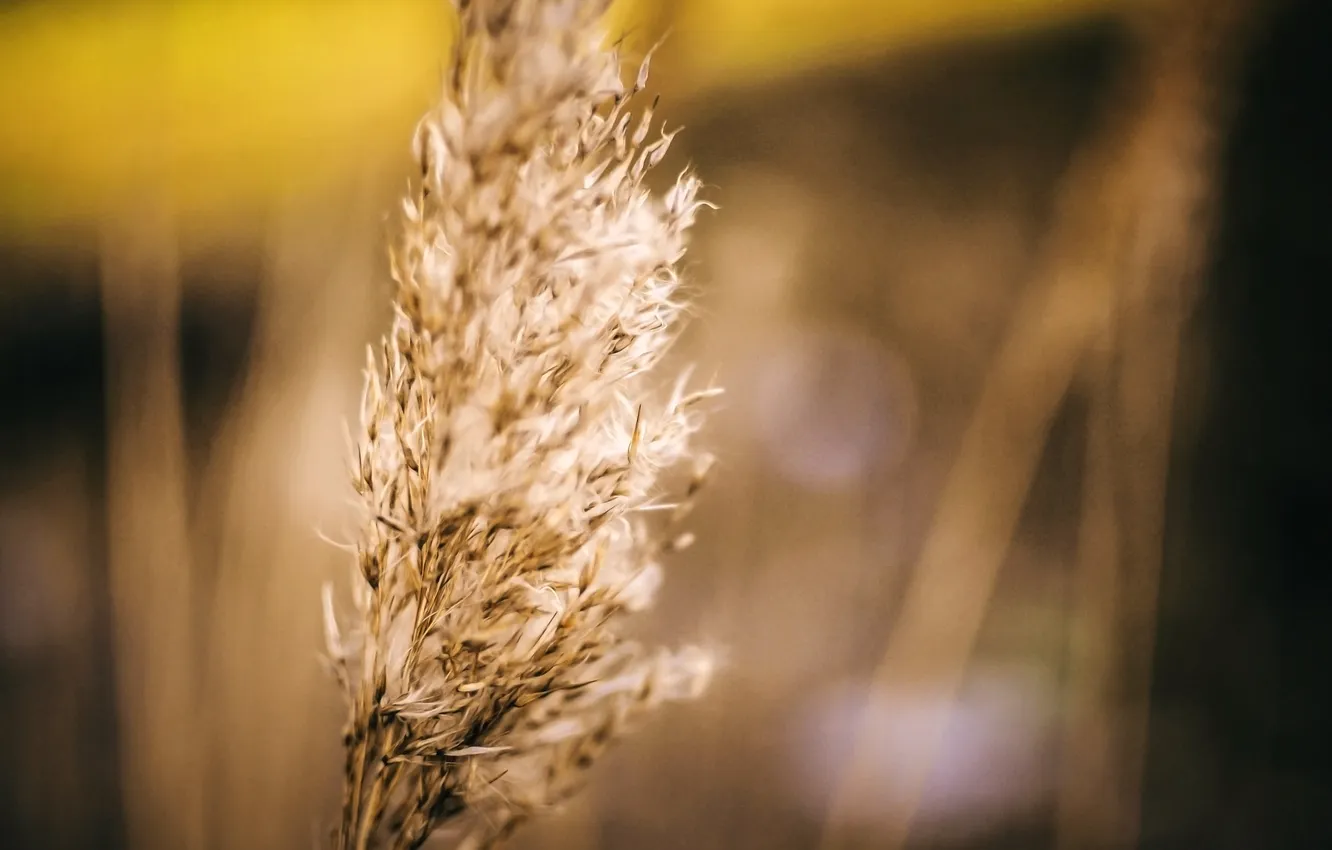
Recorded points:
(1244, 637)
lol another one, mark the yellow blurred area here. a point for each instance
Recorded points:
(216, 102)
(735, 41)
(222, 105)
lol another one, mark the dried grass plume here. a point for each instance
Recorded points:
(511, 441)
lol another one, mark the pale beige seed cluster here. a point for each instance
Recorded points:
(512, 441)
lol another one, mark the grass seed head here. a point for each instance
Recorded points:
(510, 443)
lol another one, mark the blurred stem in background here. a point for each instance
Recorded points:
(151, 577)
(1130, 376)
(270, 486)
(1120, 267)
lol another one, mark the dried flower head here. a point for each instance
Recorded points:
(511, 445)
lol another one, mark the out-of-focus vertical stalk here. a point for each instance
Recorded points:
(979, 508)
(274, 470)
(148, 549)
(1123, 215)
(1194, 49)
(1088, 749)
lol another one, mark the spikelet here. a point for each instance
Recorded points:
(510, 446)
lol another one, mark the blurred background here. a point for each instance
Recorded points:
(1017, 538)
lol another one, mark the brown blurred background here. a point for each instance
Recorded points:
(1018, 535)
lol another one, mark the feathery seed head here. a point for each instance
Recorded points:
(510, 446)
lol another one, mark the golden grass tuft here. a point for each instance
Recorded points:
(511, 443)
